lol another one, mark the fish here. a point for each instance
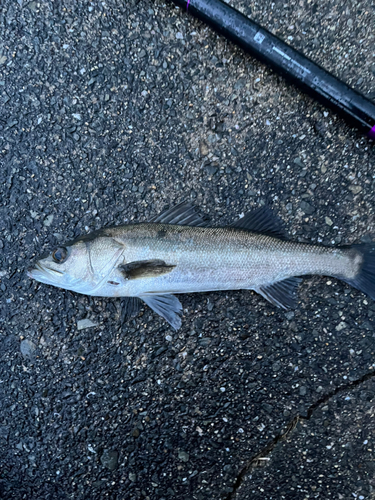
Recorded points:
(179, 252)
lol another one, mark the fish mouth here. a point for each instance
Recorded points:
(44, 274)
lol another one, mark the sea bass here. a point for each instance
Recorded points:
(179, 252)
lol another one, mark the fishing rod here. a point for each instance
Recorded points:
(292, 64)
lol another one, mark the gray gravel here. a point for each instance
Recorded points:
(336, 443)
(109, 112)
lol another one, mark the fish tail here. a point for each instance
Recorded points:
(363, 259)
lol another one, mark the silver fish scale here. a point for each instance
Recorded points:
(219, 258)
(154, 261)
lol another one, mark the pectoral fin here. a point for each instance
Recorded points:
(167, 306)
(145, 269)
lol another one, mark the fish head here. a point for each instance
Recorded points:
(66, 267)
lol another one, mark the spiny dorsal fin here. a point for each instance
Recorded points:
(145, 269)
(281, 294)
(183, 214)
(167, 306)
(263, 221)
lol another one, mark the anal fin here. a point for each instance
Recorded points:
(282, 293)
(167, 306)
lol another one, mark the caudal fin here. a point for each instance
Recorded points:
(365, 277)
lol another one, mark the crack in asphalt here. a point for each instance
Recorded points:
(262, 455)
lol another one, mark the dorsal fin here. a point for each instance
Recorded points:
(263, 221)
(183, 214)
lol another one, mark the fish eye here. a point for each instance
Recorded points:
(59, 255)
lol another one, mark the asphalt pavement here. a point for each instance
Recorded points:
(110, 111)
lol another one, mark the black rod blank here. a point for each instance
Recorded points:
(293, 65)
